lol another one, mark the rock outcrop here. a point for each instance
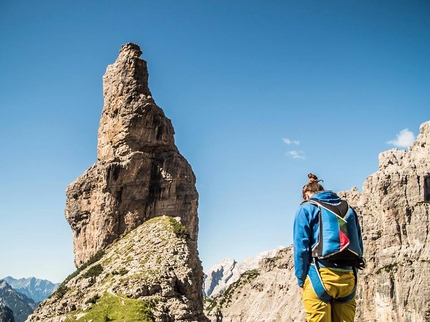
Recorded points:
(148, 275)
(268, 293)
(223, 274)
(140, 173)
(394, 210)
(133, 215)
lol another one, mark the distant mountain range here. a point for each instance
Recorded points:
(21, 305)
(6, 314)
(226, 272)
(34, 288)
(20, 297)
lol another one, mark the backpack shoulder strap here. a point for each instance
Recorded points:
(318, 247)
(341, 209)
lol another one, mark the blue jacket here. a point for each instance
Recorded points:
(305, 233)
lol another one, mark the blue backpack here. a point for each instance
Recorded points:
(339, 235)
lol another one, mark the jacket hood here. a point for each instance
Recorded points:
(327, 196)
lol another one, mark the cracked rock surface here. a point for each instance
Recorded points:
(150, 268)
(123, 207)
(394, 211)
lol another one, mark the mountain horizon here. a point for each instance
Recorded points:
(35, 288)
(21, 305)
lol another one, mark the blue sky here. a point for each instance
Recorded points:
(259, 92)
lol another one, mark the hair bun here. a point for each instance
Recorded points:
(312, 178)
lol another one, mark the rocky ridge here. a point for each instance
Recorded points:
(34, 288)
(18, 303)
(125, 212)
(394, 211)
(223, 274)
(145, 276)
(267, 293)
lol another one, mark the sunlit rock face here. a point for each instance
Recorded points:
(147, 275)
(219, 277)
(140, 173)
(133, 215)
(394, 211)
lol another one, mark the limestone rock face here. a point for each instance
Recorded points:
(228, 271)
(269, 293)
(148, 275)
(133, 216)
(139, 173)
(130, 120)
(394, 211)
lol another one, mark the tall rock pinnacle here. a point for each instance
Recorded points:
(133, 215)
(130, 120)
(140, 173)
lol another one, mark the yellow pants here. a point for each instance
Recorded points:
(338, 283)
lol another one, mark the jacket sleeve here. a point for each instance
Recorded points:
(360, 238)
(302, 248)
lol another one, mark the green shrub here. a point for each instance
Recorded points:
(210, 304)
(62, 289)
(93, 300)
(179, 229)
(387, 268)
(245, 278)
(95, 270)
(121, 272)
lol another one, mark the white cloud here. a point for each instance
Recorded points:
(296, 154)
(404, 139)
(288, 141)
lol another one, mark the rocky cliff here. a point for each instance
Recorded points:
(148, 275)
(133, 215)
(268, 293)
(139, 173)
(223, 274)
(394, 210)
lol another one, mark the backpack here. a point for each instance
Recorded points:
(339, 237)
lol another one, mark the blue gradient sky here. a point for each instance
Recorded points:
(259, 92)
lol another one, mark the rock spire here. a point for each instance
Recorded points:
(140, 173)
(131, 121)
(133, 215)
